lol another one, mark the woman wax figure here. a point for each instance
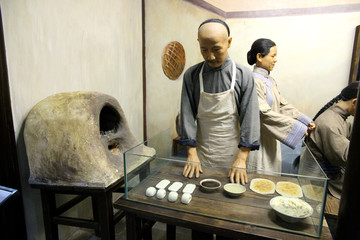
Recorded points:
(279, 120)
(330, 141)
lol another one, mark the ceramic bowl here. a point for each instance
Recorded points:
(290, 209)
(234, 189)
(209, 185)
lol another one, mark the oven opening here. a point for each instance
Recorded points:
(109, 120)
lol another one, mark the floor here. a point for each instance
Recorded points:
(158, 232)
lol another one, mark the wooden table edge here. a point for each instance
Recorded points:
(207, 224)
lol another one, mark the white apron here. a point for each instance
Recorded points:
(218, 127)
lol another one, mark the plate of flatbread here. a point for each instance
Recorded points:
(262, 186)
(313, 192)
(289, 189)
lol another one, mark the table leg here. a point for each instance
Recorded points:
(104, 209)
(49, 211)
(133, 226)
(95, 215)
(170, 232)
(146, 229)
(145, 172)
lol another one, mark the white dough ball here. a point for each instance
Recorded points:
(161, 193)
(186, 198)
(150, 191)
(172, 197)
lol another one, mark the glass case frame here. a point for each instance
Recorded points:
(249, 208)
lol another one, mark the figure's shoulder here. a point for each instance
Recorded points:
(244, 75)
(194, 69)
(245, 72)
(328, 120)
(243, 69)
(192, 73)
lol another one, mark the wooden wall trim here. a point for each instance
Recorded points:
(277, 12)
(12, 218)
(355, 57)
(348, 224)
(345, 8)
(144, 68)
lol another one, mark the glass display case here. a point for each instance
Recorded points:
(6, 194)
(145, 184)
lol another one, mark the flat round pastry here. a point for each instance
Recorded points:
(288, 189)
(313, 192)
(262, 186)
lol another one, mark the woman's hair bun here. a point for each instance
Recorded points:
(262, 46)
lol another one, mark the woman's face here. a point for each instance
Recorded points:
(268, 61)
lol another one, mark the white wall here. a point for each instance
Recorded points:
(167, 21)
(314, 53)
(59, 46)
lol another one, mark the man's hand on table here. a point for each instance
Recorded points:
(193, 164)
(237, 173)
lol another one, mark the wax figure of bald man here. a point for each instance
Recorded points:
(219, 107)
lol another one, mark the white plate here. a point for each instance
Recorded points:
(162, 184)
(189, 188)
(175, 186)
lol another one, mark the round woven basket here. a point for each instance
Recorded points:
(173, 60)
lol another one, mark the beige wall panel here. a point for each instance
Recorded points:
(61, 46)
(314, 54)
(167, 21)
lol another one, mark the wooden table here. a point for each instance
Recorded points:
(332, 206)
(137, 212)
(247, 217)
(331, 212)
(103, 220)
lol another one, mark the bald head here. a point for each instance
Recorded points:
(216, 20)
(213, 30)
(214, 42)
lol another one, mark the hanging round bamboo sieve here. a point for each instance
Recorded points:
(173, 60)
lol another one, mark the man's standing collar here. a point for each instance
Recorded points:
(226, 63)
(339, 110)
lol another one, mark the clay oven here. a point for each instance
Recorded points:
(78, 139)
